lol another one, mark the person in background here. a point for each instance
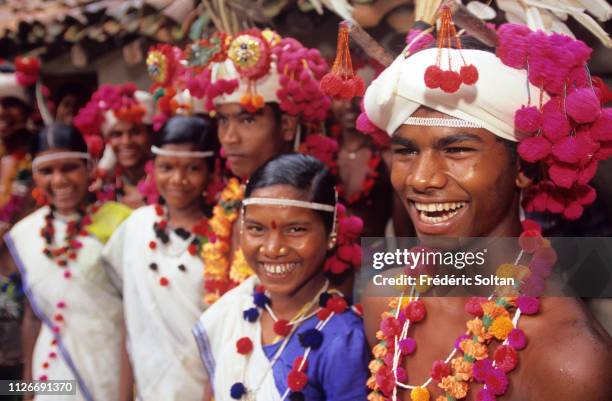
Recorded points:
(68, 100)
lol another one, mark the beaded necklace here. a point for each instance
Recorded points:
(194, 240)
(63, 256)
(329, 303)
(491, 321)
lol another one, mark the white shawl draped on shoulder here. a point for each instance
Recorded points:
(88, 343)
(217, 332)
(158, 318)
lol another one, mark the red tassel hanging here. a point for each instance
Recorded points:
(341, 82)
(448, 80)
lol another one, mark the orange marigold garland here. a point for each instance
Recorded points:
(219, 273)
(342, 82)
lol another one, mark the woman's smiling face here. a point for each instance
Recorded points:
(285, 245)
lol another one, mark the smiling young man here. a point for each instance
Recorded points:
(256, 92)
(122, 117)
(455, 164)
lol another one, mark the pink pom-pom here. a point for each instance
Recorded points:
(555, 125)
(485, 395)
(534, 149)
(528, 119)
(566, 150)
(583, 106)
(586, 174)
(407, 346)
(555, 203)
(512, 48)
(528, 305)
(585, 195)
(573, 211)
(563, 175)
(601, 129)
(473, 306)
(482, 368)
(517, 339)
(497, 382)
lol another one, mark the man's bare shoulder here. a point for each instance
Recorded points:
(569, 355)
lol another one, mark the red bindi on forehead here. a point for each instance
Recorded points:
(274, 224)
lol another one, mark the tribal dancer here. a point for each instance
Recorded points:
(287, 333)
(58, 251)
(455, 117)
(155, 256)
(120, 117)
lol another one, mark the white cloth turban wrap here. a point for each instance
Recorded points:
(265, 86)
(10, 88)
(491, 102)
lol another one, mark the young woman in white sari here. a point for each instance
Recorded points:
(154, 255)
(57, 249)
(286, 333)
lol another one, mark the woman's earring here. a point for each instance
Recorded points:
(332, 241)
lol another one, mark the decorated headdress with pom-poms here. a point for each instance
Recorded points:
(251, 68)
(536, 90)
(16, 79)
(109, 104)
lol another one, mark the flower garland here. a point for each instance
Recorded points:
(197, 238)
(330, 303)
(491, 321)
(219, 274)
(63, 255)
(15, 187)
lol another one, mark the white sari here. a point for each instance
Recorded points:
(217, 332)
(88, 345)
(158, 319)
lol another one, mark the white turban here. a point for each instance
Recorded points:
(491, 102)
(10, 88)
(144, 99)
(265, 86)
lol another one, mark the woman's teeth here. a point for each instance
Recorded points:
(62, 193)
(438, 212)
(280, 269)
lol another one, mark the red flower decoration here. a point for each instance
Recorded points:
(469, 74)
(505, 358)
(298, 362)
(440, 369)
(282, 327)
(323, 314)
(244, 346)
(296, 380)
(415, 311)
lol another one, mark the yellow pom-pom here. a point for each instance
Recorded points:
(419, 394)
(501, 327)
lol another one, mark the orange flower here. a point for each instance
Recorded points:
(457, 389)
(490, 308)
(419, 394)
(375, 365)
(476, 328)
(462, 368)
(501, 327)
(474, 349)
(375, 396)
(379, 350)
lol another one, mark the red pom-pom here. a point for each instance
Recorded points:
(469, 74)
(433, 77)
(359, 85)
(585, 195)
(473, 306)
(331, 84)
(573, 211)
(282, 327)
(163, 281)
(534, 149)
(528, 119)
(415, 311)
(583, 106)
(244, 346)
(440, 369)
(337, 304)
(192, 249)
(529, 241)
(296, 380)
(505, 358)
(450, 82)
(347, 91)
(152, 245)
(297, 362)
(323, 313)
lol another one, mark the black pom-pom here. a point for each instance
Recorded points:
(251, 314)
(182, 267)
(153, 266)
(297, 396)
(181, 232)
(311, 338)
(323, 298)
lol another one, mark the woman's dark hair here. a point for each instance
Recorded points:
(79, 91)
(302, 172)
(196, 131)
(58, 136)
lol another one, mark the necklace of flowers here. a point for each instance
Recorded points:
(368, 182)
(330, 303)
(194, 240)
(15, 188)
(220, 275)
(63, 255)
(491, 320)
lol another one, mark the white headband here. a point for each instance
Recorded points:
(440, 122)
(181, 153)
(59, 155)
(289, 202)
